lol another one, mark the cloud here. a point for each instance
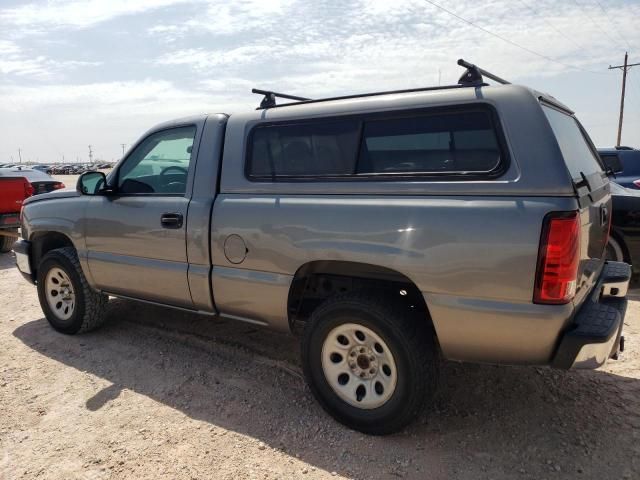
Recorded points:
(78, 13)
(222, 17)
(387, 42)
(134, 96)
(14, 61)
(104, 114)
(204, 60)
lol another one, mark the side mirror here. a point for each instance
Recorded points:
(91, 183)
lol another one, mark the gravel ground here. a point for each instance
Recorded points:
(163, 394)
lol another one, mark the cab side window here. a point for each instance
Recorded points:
(160, 164)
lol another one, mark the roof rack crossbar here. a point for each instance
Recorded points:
(473, 75)
(269, 99)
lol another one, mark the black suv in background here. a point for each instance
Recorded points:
(626, 162)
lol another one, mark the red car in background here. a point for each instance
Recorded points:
(17, 184)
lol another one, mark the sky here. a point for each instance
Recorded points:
(101, 72)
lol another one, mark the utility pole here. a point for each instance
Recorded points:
(20, 156)
(625, 68)
(123, 145)
(90, 155)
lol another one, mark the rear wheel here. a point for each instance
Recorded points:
(6, 243)
(69, 303)
(614, 251)
(371, 362)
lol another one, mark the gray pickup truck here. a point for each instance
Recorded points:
(389, 230)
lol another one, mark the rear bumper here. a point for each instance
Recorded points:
(9, 220)
(596, 331)
(22, 249)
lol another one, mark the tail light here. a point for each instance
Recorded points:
(28, 189)
(558, 259)
(636, 183)
(58, 185)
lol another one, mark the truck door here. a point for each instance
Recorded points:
(136, 235)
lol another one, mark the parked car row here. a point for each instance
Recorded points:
(75, 169)
(67, 169)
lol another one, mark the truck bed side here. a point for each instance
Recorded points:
(450, 253)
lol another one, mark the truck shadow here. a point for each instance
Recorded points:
(486, 420)
(7, 260)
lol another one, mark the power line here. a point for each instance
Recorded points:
(616, 28)
(510, 42)
(635, 98)
(547, 22)
(584, 12)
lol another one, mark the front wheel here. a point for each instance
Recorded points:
(69, 303)
(370, 361)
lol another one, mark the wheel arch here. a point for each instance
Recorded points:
(619, 237)
(44, 242)
(317, 280)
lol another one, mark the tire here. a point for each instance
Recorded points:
(75, 307)
(615, 250)
(407, 344)
(6, 243)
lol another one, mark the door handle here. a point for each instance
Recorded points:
(171, 220)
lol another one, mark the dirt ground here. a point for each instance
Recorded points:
(164, 394)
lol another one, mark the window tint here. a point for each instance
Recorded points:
(454, 143)
(312, 149)
(577, 153)
(460, 142)
(160, 164)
